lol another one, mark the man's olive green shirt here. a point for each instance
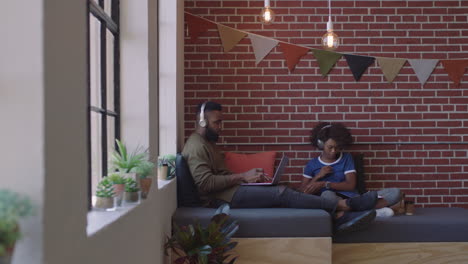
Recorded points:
(206, 163)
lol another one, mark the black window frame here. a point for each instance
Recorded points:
(111, 23)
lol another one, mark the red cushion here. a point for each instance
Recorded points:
(239, 163)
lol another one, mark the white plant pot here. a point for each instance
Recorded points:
(132, 197)
(105, 203)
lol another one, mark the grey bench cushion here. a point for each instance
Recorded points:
(266, 222)
(426, 225)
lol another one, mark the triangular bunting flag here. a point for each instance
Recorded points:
(455, 69)
(358, 64)
(423, 68)
(261, 46)
(230, 36)
(326, 60)
(390, 67)
(292, 54)
(197, 25)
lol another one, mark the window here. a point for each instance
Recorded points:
(104, 80)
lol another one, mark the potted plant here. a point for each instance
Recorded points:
(143, 171)
(105, 195)
(118, 183)
(132, 192)
(195, 244)
(166, 167)
(124, 162)
(12, 208)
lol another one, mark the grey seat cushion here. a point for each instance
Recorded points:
(426, 225)
(266, 222)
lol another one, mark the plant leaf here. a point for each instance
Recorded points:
(180, 260)
(228, 226)
(231, 233)
(203, 259)
(203, 250)
(230, 246)
(232, 260)
(219, 218)
(223, 209)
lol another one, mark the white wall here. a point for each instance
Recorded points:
(171, 82)
(134, 72)
(43, 93)
(22, 115)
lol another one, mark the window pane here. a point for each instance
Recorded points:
(110, 70)
(96, 150)
(110, 138)
(108, 7)
(95, 61)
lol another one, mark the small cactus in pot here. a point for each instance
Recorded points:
(132, 192)
(143, 171)
(105, 194)
(13, 207)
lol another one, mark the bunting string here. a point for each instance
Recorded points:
(293, 53)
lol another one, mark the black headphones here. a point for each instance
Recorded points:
(202, 122)
(320, 143)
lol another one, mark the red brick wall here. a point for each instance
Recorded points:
(402, 128)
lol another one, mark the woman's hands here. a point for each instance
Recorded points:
(323, 172)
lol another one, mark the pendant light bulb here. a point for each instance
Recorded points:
(267, 16)
(330, 40)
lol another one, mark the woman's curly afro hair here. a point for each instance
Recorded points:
(336, 131)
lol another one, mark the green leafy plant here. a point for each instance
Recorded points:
(115, 178)
(123, 161)
(131, 185)
(195, 244)
(144, 169)
(105, 188)
(13, 206)
(169, 160)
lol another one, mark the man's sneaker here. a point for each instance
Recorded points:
(353, 221)
(384, 212)
(366, 201)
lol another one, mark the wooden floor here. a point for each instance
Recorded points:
(401, 253)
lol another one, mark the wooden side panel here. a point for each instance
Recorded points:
(283, 250)
(401, 253)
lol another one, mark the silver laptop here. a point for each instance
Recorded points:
(276, 179)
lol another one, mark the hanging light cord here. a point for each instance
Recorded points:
(329, 10)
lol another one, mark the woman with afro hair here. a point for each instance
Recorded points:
(332, 174)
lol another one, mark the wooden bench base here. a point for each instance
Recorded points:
(302, 250)
(401, 253)
(305, 250)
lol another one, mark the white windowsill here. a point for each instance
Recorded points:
(163, 183)
(98, 219)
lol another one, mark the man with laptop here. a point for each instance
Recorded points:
(216, 184)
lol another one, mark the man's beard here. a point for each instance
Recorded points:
(211, 135)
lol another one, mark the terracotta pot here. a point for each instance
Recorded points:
(145, 185)
(9, 253)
